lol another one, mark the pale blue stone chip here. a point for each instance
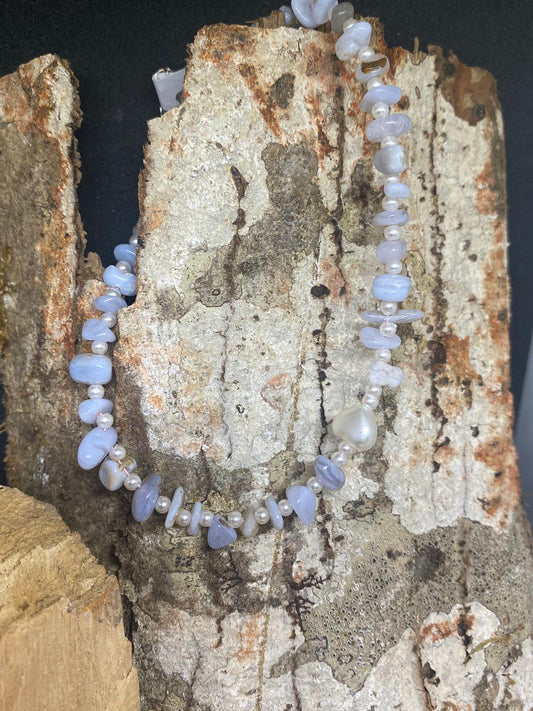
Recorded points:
(391, 250)
(219, 533)
(276, 518)
(89, 369)
(390, 217)
(174, 507)
(397, 191)
(95, 445)
(125, 282)
(303, 501)
(390, 160)
(331, 476)
(373, 338)
(89, 410)
(145, 497)
(196, 513)
(391, 287)
(95, 330)
(126, 253)
(391, 125)
(110, 303)
(387, 93)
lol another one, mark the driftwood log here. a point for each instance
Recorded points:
(413, 588)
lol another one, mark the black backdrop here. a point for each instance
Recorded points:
(114, 47)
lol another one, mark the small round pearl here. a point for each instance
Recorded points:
(108, 319)
(393, 178)
(346, 447)
(339, 458)
(183, 518)
(365, 53)
(383, 354)
(348, 23)
(394, 267)
(117, 453)
(123, 266)
(206, 518)
(261, 515)
(392, 232)
(128, 464)
(380, 109)
(235, 519)
(370, 401)
(99, 347)
(134, 240)
(314, 485)
(390, 203)
(387, 329)
(373, 83)
(112, 292)
(104, 420)
(284, 507)
(388, 307)
(388, 141)
(132, 482)
(374, 390)
(162, 504)
(95, 391)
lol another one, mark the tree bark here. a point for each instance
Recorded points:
(412, 589)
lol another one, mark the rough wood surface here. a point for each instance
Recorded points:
(62, 643)
(413, 589)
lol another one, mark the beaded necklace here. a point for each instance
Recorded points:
(355, 427)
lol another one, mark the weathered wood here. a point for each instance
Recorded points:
(62, 643)
(256, 201)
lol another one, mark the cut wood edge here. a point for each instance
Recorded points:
(61, 632)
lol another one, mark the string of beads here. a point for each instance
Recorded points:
(355, 427)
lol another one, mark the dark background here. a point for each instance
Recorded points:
(114, 47)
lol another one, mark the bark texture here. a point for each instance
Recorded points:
(412, 589)
(62, 643)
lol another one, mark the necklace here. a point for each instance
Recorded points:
(355, 427)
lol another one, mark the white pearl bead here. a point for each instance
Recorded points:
(95, 391)
(370, 401)
(123, 266)
(235, 519)
(373, 83)
(380, 109)
(393, 178)
(162, 504)
(104, 420)
(183, 518)
(388, 307)
(314, 485)
(390, 204)
(346, 447)
(374, 390)
(99, 347)
(365, 53)
(108, 319)
(284, 507)
(112, 292)
(117, 453)
(383, 354)
(392, 232)
(261, 515)
(339, 459)
(348, 23)
(388, 141)
(206, 518)
(132, 482)
(387, 328)
(357, 425)
(394, 267)
(134, 240)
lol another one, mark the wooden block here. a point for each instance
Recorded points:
(62, 642)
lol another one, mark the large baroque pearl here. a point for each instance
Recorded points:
(356, 425)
